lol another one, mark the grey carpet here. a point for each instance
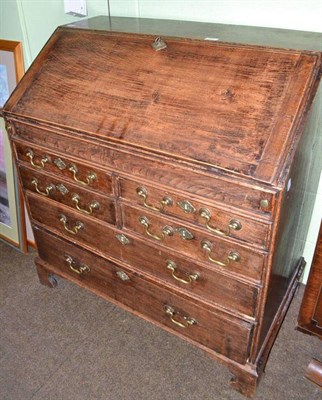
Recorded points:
(67, 344)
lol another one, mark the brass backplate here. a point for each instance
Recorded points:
(186, 206)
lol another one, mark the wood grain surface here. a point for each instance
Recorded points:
(149, 299)
(212, 103)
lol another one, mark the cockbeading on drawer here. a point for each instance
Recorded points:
(211, 285)
(63, 191)
(215, 251)
(208, 326)
(78, 173)
(215, 220)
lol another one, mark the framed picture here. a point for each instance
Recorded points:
(12, 216)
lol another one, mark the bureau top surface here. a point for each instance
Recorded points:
(235, 108)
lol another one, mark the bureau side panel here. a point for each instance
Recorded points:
(297, 203)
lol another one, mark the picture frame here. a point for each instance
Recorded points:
(12, 211)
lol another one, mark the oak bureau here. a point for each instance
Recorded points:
(168, 175)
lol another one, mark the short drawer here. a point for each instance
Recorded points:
(216, 252)
(214, 220)
(83, 200)
(75, 171)
(210, 285)
(66, 220)
(223, 334)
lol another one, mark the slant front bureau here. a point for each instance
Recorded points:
(168, 176)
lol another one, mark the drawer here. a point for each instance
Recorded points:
(216, 221)
(196, 280)
(83, 200)
(76, 172)
(220, 253)
(225, 335)
(210, 285)
(65, 220)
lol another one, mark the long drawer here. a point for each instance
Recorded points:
(167, 266)
(227, 336)
(220, 253)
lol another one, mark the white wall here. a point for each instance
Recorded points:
(38, 19)
(288, 14)
(312, 235)
(33, 21)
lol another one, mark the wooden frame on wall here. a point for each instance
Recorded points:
(12, 214)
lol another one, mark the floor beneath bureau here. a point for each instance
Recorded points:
(66, 344)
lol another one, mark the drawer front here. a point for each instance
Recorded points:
(211, 285)
(221, 223)
(76, 172)
(53, 187)
(65, 220)
(194, 279)
(206, 182)
(220, 253)
(227, 336)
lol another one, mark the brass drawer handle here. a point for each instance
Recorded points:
(42, 163)
(233, 224)
(232, 256)
(77, 269)
(166, 201)
(48, 188)
(166, 230)
(91, 176)
(93, 205)
(188, 321)
(78, 225)
(192, 277)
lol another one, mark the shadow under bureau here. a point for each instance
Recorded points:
(168, 175)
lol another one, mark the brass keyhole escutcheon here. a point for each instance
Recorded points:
(123, 276)
(186, 206)
(159, 44)
(122, 239)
